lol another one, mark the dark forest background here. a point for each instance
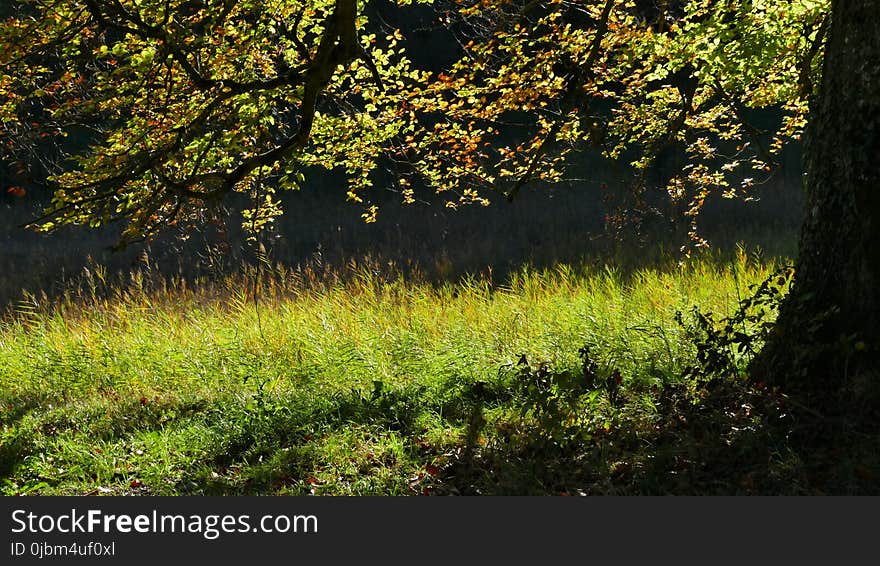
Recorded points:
(544, 225)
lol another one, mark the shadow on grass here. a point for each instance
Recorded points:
(736, 441)
(106, 418)
(726, 437)
(15, 444)
(271, 445)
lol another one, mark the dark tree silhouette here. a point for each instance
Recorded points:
(826, 338)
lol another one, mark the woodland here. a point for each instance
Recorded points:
(439, 247)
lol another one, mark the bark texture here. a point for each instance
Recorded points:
(827, 334)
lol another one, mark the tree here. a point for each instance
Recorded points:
(186, 102)
(825, 342)
(540, 82)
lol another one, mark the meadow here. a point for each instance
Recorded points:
(577, 379)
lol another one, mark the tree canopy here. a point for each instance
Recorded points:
(153, 111)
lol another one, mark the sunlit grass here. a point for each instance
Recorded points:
(355, 383)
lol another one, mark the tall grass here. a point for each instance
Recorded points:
(338, 382)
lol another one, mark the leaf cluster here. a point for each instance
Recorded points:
(157, 110)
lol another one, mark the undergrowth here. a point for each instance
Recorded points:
(579, 379)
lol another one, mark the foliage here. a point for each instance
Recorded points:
(185, 102)
(629, 81)
(723, 345)
(568, 406)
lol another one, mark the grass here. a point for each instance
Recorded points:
(362, 383)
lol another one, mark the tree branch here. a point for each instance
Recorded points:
(575, 83)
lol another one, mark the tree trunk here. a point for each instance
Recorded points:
(827, 334)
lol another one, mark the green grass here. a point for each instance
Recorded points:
(368, 384)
